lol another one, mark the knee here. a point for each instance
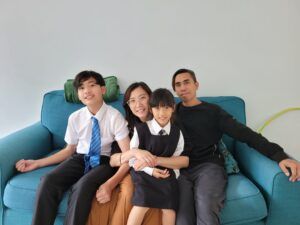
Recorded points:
(209, 206)
(48, 180)
(81, 186)
(168, 212)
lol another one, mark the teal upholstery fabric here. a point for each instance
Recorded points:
(22, 188)
(282, 197)
(253, 197)
(231, 164)
(241, 195)
(243, 198)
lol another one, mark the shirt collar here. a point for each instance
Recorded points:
(156, 127)
(99, 115)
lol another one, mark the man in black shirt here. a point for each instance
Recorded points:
(204, 181)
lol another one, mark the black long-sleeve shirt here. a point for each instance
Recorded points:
(203, 126)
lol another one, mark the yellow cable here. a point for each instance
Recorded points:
(259, 130)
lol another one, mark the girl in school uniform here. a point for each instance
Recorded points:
(156, 187)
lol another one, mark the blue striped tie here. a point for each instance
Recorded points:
(92, 159)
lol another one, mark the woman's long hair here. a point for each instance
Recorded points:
(129, 116)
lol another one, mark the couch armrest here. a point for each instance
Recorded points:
(31, 142)
(282, 196)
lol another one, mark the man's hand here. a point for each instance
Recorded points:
(26, 165)
(103, 193)
(158, 173)
(294, 167)
(145, 156)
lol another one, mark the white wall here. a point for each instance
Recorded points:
(248, 48)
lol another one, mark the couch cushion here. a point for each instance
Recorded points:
(244, 202)
(20, 191)
(241, 196)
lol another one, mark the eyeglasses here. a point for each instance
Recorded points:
(140, 99)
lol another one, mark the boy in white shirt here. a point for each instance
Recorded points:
(85, 160)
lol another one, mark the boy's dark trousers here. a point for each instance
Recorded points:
(54, 184)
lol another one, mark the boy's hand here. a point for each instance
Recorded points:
(158, 173)
(294, 167)
(26, 165)
(146, 157)
(103, 193)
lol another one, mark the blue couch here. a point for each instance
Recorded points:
(259, 194)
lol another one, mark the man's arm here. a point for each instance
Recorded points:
(174, 162)
(29, 164)
(272, 150)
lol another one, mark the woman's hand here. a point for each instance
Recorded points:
(139, 165)
(145, 156)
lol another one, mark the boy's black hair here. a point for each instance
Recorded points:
(180, 71)
(85, 75)
(161, 97)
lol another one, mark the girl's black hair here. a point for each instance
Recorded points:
(161, 97)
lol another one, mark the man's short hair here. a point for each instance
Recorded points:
(85, 75)
(180, 71)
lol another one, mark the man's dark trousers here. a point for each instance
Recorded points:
(201, 194)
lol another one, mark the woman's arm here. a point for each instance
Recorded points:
(142, 155)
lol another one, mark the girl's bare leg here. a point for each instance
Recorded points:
(136, 215)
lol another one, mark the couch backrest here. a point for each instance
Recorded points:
(55, 113)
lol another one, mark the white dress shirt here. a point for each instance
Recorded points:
(112, 124)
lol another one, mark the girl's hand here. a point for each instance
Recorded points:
(158, 173)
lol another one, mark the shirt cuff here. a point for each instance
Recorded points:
(131, 162)
(148, 170)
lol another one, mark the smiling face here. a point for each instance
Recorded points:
(139, 103)
(186, 88)
(162, 114)
(91, 94)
